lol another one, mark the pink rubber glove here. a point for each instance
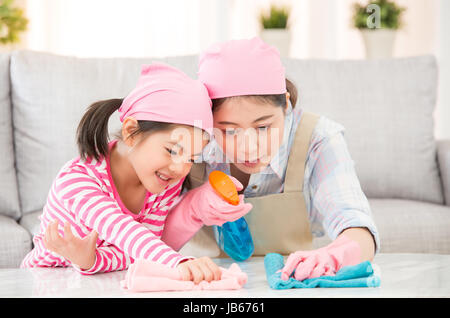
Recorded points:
(325, 261)
(198, 207)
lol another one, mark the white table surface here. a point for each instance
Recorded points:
(402, 275)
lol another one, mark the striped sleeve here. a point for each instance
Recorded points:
(83, 196)
(107, 259)
(110, 258)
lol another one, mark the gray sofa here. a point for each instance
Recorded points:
(386, 106)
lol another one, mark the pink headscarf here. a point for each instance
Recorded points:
(242, 67)
(165, 94)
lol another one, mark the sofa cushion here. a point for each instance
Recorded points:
(407, 226)
(9, 200)
(387, 108)
(50, 94)
(31, 222)
(15, 242)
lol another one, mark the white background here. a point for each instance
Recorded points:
(150, 28)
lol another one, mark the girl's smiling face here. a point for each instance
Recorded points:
(164, 157)
(249, 131)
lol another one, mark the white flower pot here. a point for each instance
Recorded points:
(280, 38)
(379, 43)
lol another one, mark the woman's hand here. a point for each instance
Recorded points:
(325, 261)
(80, 252)
(199, 269)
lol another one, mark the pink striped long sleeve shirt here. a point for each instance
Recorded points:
(83, 194)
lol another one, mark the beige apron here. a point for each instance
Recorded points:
(278, 222)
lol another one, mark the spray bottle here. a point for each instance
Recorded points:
(233, 238)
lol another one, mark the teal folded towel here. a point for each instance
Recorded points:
(360, 275)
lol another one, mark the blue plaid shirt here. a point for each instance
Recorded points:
(333, 195)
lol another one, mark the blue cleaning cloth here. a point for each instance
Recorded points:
(360, 275)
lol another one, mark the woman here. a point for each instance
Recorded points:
(292, 166)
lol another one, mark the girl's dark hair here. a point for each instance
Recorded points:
(92, 132)
(275, 99)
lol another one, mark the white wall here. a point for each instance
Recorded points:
(109, 28)
(320, 28)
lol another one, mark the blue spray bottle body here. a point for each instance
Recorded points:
(234, 238)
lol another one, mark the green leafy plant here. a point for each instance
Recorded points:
(389, 15)
(12, 22)
(276, 19)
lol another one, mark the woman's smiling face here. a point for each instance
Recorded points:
(249, 131)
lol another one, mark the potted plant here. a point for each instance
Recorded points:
(378, 22)
(12, 23)
(275, 28)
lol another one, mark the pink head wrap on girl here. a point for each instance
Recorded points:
(242, 67)
(165, 94)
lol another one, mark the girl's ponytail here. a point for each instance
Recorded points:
(92, 131)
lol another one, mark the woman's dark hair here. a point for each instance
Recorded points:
(275, 99)
(92, 131)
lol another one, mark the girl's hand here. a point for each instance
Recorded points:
(198, 207)
(211, 209)
(214, 210)
(80, 252)
(199, 269)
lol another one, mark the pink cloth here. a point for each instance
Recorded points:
(146, 276)
(164, 93)
(242, 67)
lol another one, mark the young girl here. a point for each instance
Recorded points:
(123, 189)
(294, 166)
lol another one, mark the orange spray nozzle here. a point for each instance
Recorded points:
(223, 185)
